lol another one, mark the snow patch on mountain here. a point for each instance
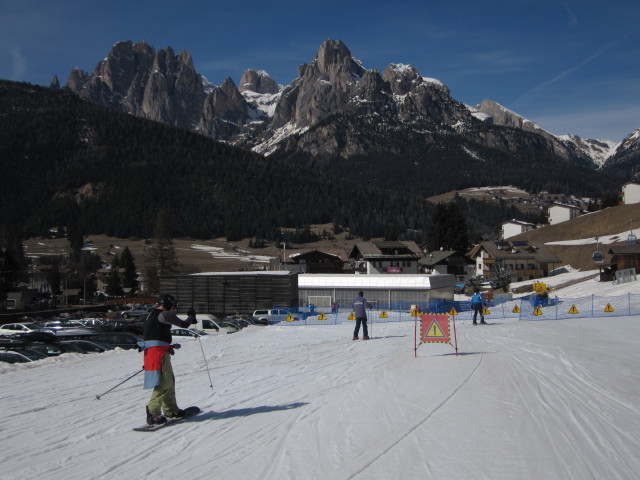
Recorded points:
(598, 150)
(261, 104)
(269, 146)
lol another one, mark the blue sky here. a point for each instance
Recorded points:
(571, 66)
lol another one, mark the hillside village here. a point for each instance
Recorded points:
(523, 251)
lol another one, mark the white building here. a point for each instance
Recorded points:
(630, 193)
(559, 213)
(515, 227)
(387, 291)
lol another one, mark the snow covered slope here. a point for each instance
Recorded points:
(523, 400)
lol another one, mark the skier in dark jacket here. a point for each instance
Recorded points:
(478, 306)
(360, 311)
(157, 359)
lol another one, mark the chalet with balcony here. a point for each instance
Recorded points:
(445, 261)
(522, 259)
(306, 260)
(384, 257)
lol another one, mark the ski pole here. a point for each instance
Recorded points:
(113, 388)
(205, 362)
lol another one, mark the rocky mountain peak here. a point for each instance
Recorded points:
(402, 78)
(258, 81)
(137, 79)
(504, 117)
(334, 54)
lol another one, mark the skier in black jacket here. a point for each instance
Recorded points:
(157, 359)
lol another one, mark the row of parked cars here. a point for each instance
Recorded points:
(32, 339)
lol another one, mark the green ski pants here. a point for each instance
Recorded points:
(163, 397)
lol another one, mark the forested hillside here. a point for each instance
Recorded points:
(68, 163)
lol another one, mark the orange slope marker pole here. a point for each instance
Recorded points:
(415, 337)
(455, 336)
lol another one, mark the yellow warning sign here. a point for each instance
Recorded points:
(352, 316)
(383, 314)
(537, 311)
(434, 331)
(453, 311)
(322, 316)
(573, 309)
(486, 311)
(290, 318)
(608, 308)
(516, 309)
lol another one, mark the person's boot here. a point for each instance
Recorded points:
(366, 337)
(355, 338)
(179, 414)
(155, 419)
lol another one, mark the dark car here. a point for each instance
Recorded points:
(89, 346)
(236, 320)
(125, 340)
(13, 357)
(49, 349)
(132, 326)
(138, 311)
(32, 355)
(68, 347)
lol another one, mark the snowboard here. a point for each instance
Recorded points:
(188, 412)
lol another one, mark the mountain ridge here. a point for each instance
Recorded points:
(163, 86)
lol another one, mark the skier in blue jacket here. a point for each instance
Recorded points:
(360, 311)
(477, 305)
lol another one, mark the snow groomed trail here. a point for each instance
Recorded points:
(527, 400)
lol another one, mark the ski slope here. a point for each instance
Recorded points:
(522, 400)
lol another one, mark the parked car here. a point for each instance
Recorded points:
(211, 324)
(32, 355)
(135, 326)
(68, 347)
(97, 324)
(60, 324)
(48, 349)
(125, 340)
(11, 328)
(244, 320)
(72, 333)
(13, 357)
(136, 311)
(236, 321)
(185, 332)
(35, 336)
(274, 315)
(89, 346)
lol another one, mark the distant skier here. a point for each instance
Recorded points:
(360, 311)
(478, 306)
(158, 372)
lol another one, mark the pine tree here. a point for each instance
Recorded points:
(130, 275)
(114, 287)
(161, 256)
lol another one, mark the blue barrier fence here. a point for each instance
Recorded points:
(523, 309)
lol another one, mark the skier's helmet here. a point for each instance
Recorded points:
(168, 301)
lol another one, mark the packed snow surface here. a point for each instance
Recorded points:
(522, 400)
